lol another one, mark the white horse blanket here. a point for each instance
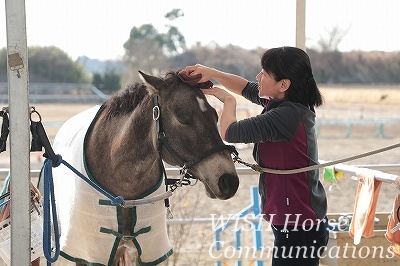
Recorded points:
(90, 227)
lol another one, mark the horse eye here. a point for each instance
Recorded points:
(183, 118)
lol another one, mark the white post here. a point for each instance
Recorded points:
(301, 24)
(18, 94)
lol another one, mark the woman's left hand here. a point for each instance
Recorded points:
(219, 93)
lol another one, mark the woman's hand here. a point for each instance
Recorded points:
(219, 93)
(231, 82)
(207, 73)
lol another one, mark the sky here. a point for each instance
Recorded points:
(99, 28)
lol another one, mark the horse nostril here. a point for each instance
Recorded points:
(228, 185)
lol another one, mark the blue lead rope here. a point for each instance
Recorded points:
(49, 198)
(118, 200)
(48, 193)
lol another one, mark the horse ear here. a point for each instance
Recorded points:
(153, 81)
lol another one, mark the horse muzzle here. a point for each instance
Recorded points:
(228, 184)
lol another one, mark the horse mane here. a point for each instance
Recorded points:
(127, 100)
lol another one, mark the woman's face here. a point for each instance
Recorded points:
(268, 86)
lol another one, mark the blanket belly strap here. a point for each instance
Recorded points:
(124, 237)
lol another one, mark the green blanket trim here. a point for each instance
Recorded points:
(124, 237)
(157, 261)
(78, 260)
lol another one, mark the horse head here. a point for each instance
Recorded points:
(190, 135)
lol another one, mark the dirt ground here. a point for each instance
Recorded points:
(334, 141)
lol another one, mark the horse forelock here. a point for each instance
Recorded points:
(171, 78)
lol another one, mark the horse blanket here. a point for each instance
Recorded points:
(97, 226)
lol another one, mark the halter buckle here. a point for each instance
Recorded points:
(156, 113)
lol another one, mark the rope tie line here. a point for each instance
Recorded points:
(261, 170)
(119, 200)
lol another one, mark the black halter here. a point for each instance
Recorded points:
(162, 141)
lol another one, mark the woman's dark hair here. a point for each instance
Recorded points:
(294, 64)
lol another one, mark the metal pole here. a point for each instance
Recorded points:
(18, 92)
(301, 24)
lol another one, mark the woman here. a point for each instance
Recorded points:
(284, 138)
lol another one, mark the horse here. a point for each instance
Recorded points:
(121, 146)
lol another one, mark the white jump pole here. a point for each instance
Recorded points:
(18, 93)
(301, 24)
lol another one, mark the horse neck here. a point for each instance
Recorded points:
(126, 162)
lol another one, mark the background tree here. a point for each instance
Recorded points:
(51, 64)
(48, 64)
(331, 41)
(330, 67)
(109, 82)
(174, 41)
(147, 49)
(230, 58)
(155, 51)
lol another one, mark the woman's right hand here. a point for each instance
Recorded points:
(207, 73)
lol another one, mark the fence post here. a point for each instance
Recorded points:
(18, 92)
(381, 130)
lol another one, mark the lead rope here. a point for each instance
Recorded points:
(261, 170)
(48, 216)
(49, 205)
